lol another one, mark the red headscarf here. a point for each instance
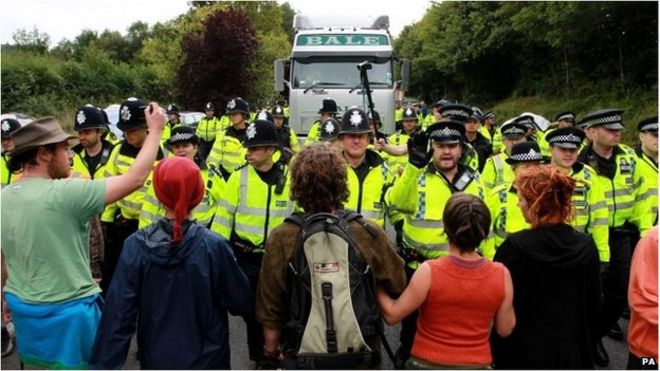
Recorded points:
(179, 186)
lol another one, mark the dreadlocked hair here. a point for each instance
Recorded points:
(548, 192)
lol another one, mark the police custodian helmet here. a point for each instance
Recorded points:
(354, 121)
(89, 117)
(131, 114)
(260, 133)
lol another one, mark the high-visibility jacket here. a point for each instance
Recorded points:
(397, 163)
(590, 208)
(207, 129)
(649, 171)
(421, 195)
(214, 184)
(167, 130)
(505, 215)
(496, 171)
(398, 114)
(122, 157)
(469, 157)
(314, 134)
(495, 139)
(7, 176)
(368, 197)
(228, 151)
(80, 165)
(288, 138)
(251, 208)
(625, 188)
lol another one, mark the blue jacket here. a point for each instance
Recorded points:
(179, 296)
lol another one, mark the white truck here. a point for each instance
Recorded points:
(324, 64)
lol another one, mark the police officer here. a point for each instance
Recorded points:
(207, 129)
(185, 143)
(93, 152)
(409, 125)
(481, 145)
(173, 120)
(647, 152)
(435, 113)
(368, 175)
(256, 200)
(328, 110)
(330, 129)
(589, 195)
(490, 131)
(563, 120)
(462, 113)
(228, 152)
(8, 126)
(428, 180)
(502, 201)
(285, 135)
(496, 170)
(616, 166)
(120, 219)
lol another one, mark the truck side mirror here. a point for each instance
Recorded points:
(279, 75)
(405, 75)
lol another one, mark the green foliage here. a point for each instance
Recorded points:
(33, 41)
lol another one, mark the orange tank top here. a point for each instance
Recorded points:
(455, 319)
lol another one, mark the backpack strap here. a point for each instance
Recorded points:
(350, 216)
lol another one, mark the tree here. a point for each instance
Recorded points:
(216, 61)
(31, 40)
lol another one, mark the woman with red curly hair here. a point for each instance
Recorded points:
(556, 278)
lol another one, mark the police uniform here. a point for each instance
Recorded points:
(285, 134)
(421, 194)
(649, 169)
(461, 113)
(563, 116)
(494, 136)
(228, 152)
(397, 163)
(253, 204)
(203, 213)
(329, 131)
(328, 106)
(207, 130)
(90, 167)
(502, 201)
(172, 109)
(367, 182)
(588, 196)
(121, 218)
(623, 185)
(8, 126)
(482, 146)
(496, 170)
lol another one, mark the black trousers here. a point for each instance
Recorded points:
(115, 234)
(204, 148)
(615, 281)
(251, 265)
(408, 325)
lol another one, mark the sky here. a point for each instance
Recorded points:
(65, 19)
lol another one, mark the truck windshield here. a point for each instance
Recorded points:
(340, 72)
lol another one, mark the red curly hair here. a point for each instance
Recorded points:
(548, 193)
(318, 178)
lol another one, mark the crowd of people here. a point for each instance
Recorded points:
(513, 243)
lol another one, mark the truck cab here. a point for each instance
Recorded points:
(324, 64)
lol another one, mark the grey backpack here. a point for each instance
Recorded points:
(333, 319)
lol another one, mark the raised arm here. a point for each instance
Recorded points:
(120, 186)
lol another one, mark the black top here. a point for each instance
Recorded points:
(556, 283)
(603, 166)
(484, 149)
(272, 176)
(236, 133)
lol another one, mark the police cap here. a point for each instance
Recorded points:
(459, 112)
(648, 125)
(610, 118)
(525, 152)
(570, 138)
(183, 133)
(447, 130)
(567, 116)
(328, 105)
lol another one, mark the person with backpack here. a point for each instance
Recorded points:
(459, 296)
(324, 315)
(177, 280)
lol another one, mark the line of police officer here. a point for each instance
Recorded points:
(407, 180)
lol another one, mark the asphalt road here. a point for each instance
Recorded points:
(618, 350)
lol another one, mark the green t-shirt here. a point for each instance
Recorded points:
(45, 237)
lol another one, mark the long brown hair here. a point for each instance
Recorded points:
(548, 193)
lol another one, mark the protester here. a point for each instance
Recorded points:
(318, 184)
(50, 291)
(459, 296)
(178, 280)
(556, 278)
(643, 300)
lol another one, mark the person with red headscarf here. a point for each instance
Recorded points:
(178, 280)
